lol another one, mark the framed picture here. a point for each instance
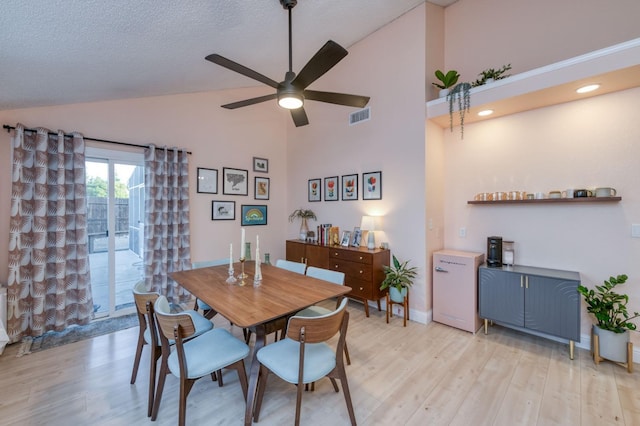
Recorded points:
(223, 210)
(261, 188)
(253, 215)
(207, 181)
(315, 189)
(356, 236)
(346, 238)
(349, 187)
(331, 188)
(234, 181)
(372, 186)
(260, 165)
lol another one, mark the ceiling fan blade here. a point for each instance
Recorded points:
(337, 98)
(299, 117)
(241, 69)
(251, 101)
(324, 59)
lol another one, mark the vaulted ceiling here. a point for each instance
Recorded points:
(66, 51)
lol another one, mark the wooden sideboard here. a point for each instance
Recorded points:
(362, 267)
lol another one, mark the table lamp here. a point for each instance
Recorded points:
(368, 224)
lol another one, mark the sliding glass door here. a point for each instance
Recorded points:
(115, 203)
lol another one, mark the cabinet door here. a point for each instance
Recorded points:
(295, 251)
(501, 296)
(317, 256)
(552, 306)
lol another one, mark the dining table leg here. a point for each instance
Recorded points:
(254, 371)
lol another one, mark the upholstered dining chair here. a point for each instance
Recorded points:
(335, 277)
(291, 266)
(207, 311)
(304, 356)
(197, 357)
(278, 324)
(148, 334)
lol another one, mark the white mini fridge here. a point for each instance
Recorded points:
(455, 288)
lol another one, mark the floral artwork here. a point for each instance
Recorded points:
(349, 187)
(372, 186)
(314, 189)
(331, 188)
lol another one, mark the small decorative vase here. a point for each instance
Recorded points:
(304, 229)
(247, 250)
(397, 295)
(267, 259)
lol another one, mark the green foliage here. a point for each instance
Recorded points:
(302, 214)
(491, 73)
(609, 307)
(448, 80)
(97, 187)
(460, 94)
(398, 275)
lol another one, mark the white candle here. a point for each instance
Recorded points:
(257, 243)
(242, 253)
(230, 255)
(258, 263)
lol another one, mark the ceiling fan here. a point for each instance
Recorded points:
(292, 92)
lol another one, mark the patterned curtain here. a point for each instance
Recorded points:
(49, 281)
(166, 228)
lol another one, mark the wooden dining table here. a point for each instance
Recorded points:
(281, 293)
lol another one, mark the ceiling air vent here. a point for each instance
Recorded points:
(360, 116)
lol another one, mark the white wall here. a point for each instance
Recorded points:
(389, 67)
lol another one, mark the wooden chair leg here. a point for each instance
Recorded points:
(299, 392)
(346, 354)
(164, 370)
(185, 388)
(156, 353)
(347, 396)
(262, 384)
(136, 360)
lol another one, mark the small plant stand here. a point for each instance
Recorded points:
(405, 307)
(595, 352)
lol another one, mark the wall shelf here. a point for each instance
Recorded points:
(615, 68)
(551, 201)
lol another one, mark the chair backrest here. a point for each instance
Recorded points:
(291, 266)
(335, 277)
(207, 263)
(172, 326)
(321, 328)
(141, 296)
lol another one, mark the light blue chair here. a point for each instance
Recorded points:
(194, 358)
(305, 357)
(335, 277)
(148, 334)
(291, 266)
(207, 311)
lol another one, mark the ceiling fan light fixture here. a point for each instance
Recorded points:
(290, 100)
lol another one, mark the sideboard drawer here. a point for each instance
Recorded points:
(359, 289)
(351, 256)
(351, 269)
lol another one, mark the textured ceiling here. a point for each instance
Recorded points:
(66, 51)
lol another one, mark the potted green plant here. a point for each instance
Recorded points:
(491, 74)
(303, 215)
(460, 95)
(448, 80)
(613, 321)
(398, 278)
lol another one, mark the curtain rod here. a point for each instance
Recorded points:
(10, 128)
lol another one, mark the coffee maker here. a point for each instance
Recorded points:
(494, 252)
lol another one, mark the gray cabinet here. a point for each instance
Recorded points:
(539, 300)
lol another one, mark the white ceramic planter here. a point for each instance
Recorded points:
(613, 346)
(443, 92)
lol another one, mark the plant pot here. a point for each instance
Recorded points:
(443, 92)
(304, 229)
(612, 346)
(397, 295)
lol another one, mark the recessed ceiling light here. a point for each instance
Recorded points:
(485, 112)
(589, 88)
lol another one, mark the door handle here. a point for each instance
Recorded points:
(439, 269)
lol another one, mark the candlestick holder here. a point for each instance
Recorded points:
(242, 276)
(231, 279)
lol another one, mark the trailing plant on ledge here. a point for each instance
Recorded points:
(491, 74)
(460, 94)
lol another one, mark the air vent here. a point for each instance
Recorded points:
(360, 116)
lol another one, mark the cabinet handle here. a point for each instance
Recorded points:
(526, 282)
(335, 254)
(361, 257)
(362, 272)
(521, 281)
(439, 269)
(361, 288)
(336, 266)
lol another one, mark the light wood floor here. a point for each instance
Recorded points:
(419, 375)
